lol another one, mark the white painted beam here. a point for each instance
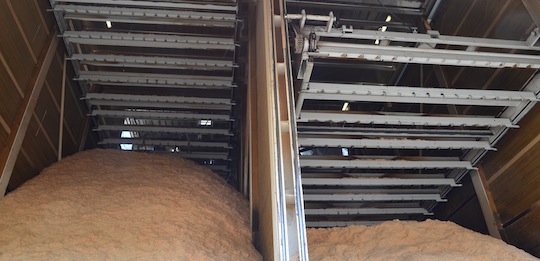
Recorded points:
(385, 164)
(151, 142)
(366, 211)
(393, 143)
(133, 61)
(148, 40)
(378, 182)
(307, 116)
(373, 197)
(405, 94)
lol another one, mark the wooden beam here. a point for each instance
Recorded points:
(26, 110)
(486, 203)
(62, 107)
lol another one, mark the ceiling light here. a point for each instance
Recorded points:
(377, 41)
(388, 18)
(384, 28)
(108, 23)
(345, 107)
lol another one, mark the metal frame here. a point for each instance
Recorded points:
(154, 4)
(177, 143)
(157, 98)
(148, 40)
(160, 115)
(157, 62)
(202, 130)
(374, 197)
(140, 15)
(385, 164)
(404, 119)
(155, 80)
(393, 144)
(366, 211)
(378, 182)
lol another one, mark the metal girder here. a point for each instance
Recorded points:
(403, 119)
(432, 38)
(321, 131)
(378, 182)
(202, 130)
(151, 62)
(166, 143)
(385, 164)
(404, 94)
(160, 115)
(424, 56)
(205, 155)
(156, 98)
(366, 211)
(393, 143)
(364, 174)
(139, 15)
(148, 40)
(374, 197)
(142, 104)
(371, 190)
(315, 224)
(155, 80)
(154, 4)
(393, 8)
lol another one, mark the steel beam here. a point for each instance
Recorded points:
(378, 182)
(155, 80)
(403, 119)
(322, 131)
(153, 4)
(404, 94)
(424, 56)
(366, 211)
(148, 40)
(394, 143)
(166, 143)
(432, 38)
(320, 224)
(160, 115)
(374, 197)
(156, 98)
(141, 104)
(162, 129)
(385, 164)
(151, 62)
(138, 15)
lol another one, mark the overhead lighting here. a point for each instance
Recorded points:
(205, 123)
(345, 107)
(377, 41)
(109, 24)
(388, 18)
(383, 28)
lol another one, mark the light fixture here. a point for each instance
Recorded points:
(345, 107)
(383, 28)
(388, 18)
(109, 24)
(205, 123)
(377, 41)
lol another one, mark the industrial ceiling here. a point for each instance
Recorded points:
(394, 103)
(157, 76)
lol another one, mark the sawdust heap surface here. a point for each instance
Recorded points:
(115, 205)
(430, 240)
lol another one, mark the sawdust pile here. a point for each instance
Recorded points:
(408, 241)
(115, 205)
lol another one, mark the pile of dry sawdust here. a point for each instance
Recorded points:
(114, 205)
(408, 241)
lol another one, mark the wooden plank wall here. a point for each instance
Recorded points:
(26, 31)
(513, 177)
(513, 172)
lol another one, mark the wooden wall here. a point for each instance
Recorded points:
(513, 178)
(27, 31)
